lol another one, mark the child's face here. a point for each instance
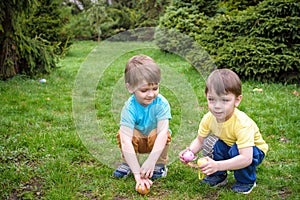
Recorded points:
(222, 106)
(146, 93)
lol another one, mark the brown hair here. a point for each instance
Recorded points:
(141, 68)
(224, 81)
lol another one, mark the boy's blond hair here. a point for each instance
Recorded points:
(141, 68)
(224, 81)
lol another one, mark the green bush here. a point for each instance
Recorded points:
(121, 16)
(80, 27)
(36, 55)
(22, 50)
(237, 5)
(260, 42)
(48, 21)
(188, 17)
(182, 22)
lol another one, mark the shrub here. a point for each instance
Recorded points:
(21, 53)
(36, 55)
(80, 26)
(260, 42)
(188, 16)
(48, 21)
(121, 16)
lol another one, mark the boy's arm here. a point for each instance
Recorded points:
(240, 161)
(195, 147)
(159, 145)
(196, 144)
(126, 135)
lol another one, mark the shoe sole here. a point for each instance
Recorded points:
(222, 183)
(254, 185)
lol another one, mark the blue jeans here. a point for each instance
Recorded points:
(245, 175)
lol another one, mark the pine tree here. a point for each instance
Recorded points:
(28, 47)
(9, 56)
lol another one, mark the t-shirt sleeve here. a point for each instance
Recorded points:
(127, 116)
(163, 110)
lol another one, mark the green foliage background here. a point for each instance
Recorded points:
(48, 21)
(259, 42)
(259, 39)
(32, 36)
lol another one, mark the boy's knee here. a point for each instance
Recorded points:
(119, 139)
(153, 135)
(169, 138)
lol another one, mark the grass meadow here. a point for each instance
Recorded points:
(44, 154)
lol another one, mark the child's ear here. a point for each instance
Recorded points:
(129, 88)
(238, 100)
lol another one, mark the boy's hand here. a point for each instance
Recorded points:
(194, 147)
(143, 182)
(158, 147)
(147, 169)
(181, 157)
(209, 167)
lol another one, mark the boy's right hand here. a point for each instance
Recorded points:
(181, 157)
(143, 182)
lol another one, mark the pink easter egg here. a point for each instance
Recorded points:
(188, 156)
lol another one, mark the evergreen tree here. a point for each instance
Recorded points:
(97, 14)
(27, 47)
(261, 42)
(10, 57)
(189, 16)
(257, 39)
(48, 22)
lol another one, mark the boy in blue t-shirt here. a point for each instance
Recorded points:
(144, 124)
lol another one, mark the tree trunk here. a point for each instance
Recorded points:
(8, 57)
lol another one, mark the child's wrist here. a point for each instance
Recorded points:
(137, 175)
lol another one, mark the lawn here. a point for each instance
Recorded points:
(58, 137)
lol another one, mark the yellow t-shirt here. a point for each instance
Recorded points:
(239, 129)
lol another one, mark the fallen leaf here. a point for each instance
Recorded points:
(284, 139)
(257, 90)
(296, 93)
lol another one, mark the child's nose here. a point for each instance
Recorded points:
(150, 93)
(218, 104)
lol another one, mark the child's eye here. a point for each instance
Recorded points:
(210, 99)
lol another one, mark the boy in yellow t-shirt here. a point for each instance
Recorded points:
(240, 146)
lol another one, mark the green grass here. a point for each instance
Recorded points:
(43, 157)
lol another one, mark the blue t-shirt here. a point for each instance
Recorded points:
(145, 119)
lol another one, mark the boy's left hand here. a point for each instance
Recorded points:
(147, 169)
